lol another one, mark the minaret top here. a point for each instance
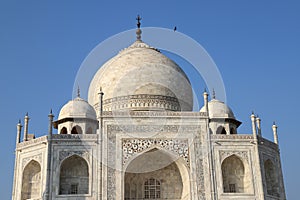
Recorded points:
(138, 31)
(19, 121)
(51, 113)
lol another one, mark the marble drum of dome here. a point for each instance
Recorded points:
(141, 78)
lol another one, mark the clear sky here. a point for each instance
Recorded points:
(255, 44)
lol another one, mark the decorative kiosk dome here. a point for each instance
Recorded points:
(77, 117)
(221, 118)
(141, 78)
(218, 109)
(77, 108)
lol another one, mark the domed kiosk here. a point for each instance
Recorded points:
(77, 117)
(221, 117)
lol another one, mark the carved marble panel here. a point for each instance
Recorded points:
(152, 128)
(132, 147)
(26, 160)
(241, 154)
(64, 154)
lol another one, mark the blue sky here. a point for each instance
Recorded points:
(255, 45)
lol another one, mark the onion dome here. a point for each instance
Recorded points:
(141, 78)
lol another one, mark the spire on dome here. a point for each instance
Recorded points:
(78, 92)
(138, 31)
(214, 94)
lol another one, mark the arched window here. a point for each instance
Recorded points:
(31, 181)
(221, 130)
(89, 131)
(233, 173)
(152, 188)
(63, 130)
(271, 178)
(76, 130)
(74, 176)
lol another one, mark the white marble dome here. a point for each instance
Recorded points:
(77, 108)
(141, 78)
(218, 109)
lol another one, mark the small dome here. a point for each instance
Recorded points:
(141, 78)
(77, 108)
(218, 109)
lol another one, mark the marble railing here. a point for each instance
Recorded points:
(35, 141)
(44, 139)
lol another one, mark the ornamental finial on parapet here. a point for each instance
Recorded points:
(274, 127)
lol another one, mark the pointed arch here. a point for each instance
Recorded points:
(76, 130)
(63, 130)
(160, 165)
(271, 178)
(234, 175)
(74, 176)
(31, 181)
(221, 130)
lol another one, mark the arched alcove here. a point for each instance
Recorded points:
(271, 178)
(74, 176)
(221, 130)
(235, 175)
(76, 130)
(31, 181)
(155, 174)
(63, 130)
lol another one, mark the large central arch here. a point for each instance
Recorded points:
(156, 174)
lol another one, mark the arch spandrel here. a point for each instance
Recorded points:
(63, 155)
(243, 155)
(37, 158)
(177, 148)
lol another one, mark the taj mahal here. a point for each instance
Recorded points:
(137, 137)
